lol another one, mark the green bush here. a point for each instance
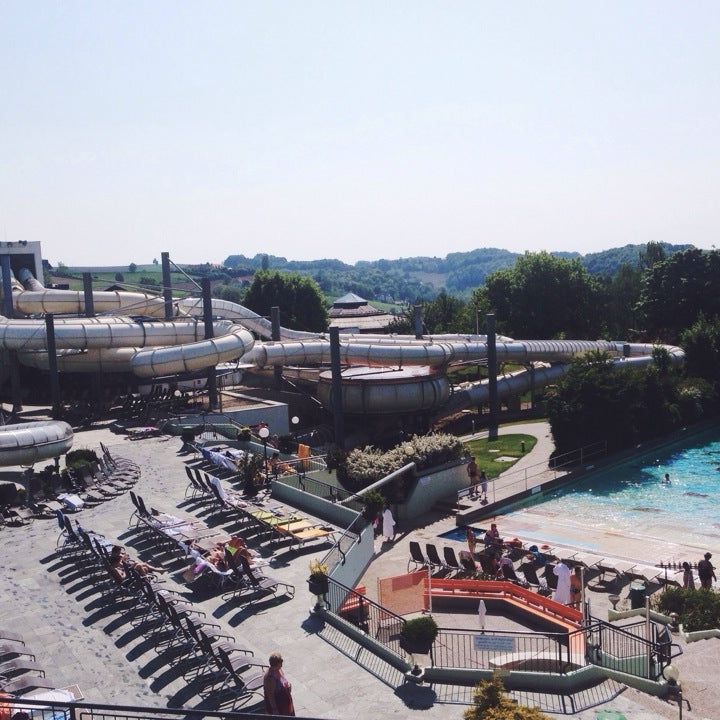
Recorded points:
(78, 459)
(697, 609)
(244, 433)
(366, 466)
(490, 702)
(420, 630)
(374, 503)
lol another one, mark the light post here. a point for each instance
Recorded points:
(295, 421)
(264, 434)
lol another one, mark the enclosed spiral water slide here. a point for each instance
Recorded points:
(384, 373)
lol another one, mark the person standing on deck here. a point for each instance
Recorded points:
(706, 572)
(562, 592)
(388, 525)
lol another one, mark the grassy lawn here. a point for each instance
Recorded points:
(505, 445)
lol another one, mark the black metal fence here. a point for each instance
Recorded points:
(302, 481)
(372, 618)
(629, 649)
(40, 710)
(600, 643)
(530, 652)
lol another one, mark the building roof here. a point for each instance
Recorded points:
(350, 299)
(366, 323)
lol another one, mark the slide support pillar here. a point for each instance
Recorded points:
(53, 366)
(9, 312)
(418, 319)
(492, 375)
(87, 291)
(209, 333)
(167, 284)
(337, 403)
(275, 336)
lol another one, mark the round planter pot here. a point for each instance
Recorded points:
(415, 647)
(318, 586)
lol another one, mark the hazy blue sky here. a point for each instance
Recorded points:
(356, 130)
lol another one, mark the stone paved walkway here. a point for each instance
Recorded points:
(332, 677)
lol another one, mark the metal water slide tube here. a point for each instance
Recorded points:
(517, 383)
(165, 353)
(72, 302)
(29, 281)
(28, 443)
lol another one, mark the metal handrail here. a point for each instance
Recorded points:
(583, 454)
(88, 711)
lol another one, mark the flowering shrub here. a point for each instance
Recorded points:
(367, 465)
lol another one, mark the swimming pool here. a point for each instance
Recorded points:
(631, 498)
(460, 534)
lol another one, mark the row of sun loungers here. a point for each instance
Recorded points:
(20, 674)
(527, 571)
(274, 521)
(208, 657)
(191, 538)
(102, 480)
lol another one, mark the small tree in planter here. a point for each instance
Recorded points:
(418, 635)
(244, 433)
(417, 638)
(318, 581)
(374, 503)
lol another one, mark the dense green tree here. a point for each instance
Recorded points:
(444, 314)
(233, 293)
(598, 401)
(619, 296)
(132, 267)
(543, 296)
(676, 290)
(701, 342)
(119, 277)
(298, 296)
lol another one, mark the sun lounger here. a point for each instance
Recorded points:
(451, 560)
(316, 533)
(416, 556)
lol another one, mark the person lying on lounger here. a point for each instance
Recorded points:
(217, 556)
(120, 561)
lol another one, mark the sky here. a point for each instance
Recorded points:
(356, 130)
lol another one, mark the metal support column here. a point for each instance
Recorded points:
(167, 284)
(52, 365)
(87, 290)
(492, 375)
(418, 319)
(9, 312)
(336, 395)
(275, 336)
(209, 333)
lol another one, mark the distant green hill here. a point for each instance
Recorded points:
(423, 277)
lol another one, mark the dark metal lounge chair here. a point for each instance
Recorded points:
(433, 556)
(451, 560)
(416, 556)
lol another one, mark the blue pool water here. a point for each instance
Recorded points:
(458, 533)
(631, 497)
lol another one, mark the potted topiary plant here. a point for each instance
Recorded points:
(418, 635)
(318, 580)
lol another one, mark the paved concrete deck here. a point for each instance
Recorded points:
(78, 642)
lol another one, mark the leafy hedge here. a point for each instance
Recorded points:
(698, 609)
(77, 459)
(367, 465)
